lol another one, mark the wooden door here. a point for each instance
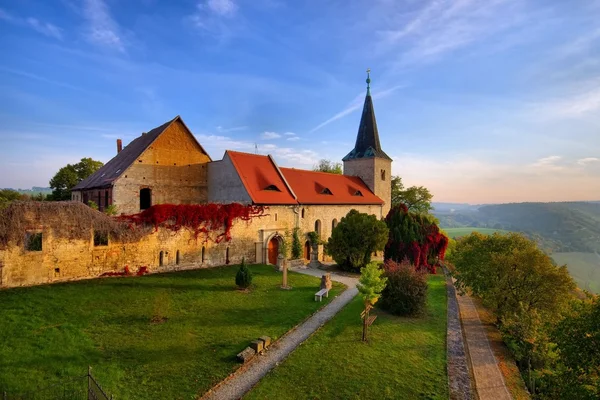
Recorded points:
(273, 251)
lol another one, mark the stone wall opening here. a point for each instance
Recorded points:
(145, 198)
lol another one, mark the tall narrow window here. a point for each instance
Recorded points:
(203, 253)
(161, 258)
(145, 198)
(318, 226)
(333, 224)
(227, 256)
(383, 174)
(303, 213)
(177, 258)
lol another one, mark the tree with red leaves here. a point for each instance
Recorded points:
(414, 236)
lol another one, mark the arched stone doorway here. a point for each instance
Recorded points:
(273, 250)
(307, 250)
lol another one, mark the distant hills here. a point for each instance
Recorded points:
(560, 227)
(33, 191)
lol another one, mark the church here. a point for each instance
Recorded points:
(167, 165)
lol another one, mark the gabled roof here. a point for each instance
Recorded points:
(110, 171)
(260, 176)
(367, 140)
(313, 187)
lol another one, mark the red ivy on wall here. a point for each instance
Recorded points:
(199, 218)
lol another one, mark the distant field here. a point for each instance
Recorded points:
(583, 267)
(458, 232)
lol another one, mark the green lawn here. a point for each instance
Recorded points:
(458, 232)
(583, 267)
(55, 331)
(405, 358)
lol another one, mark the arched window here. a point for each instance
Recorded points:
(333, 224)
(177, 258)
(203, 253)
(318, 226)
(145, 198)
(161, 258)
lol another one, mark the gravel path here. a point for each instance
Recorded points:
(246, 377)
(488, 378)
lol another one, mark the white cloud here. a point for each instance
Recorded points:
(293, 139)
(355, 105)
(45, 28)
(549, 161)
(270, 135)
(233, 129)
(101, 28)
(588, 160)
(225, 8)
(442, 26)
(289, 134)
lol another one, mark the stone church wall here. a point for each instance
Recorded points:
(174, 167)
(64, 260)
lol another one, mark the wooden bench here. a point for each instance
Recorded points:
(320, 294)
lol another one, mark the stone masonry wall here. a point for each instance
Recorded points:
(174, 167)
(64, 260)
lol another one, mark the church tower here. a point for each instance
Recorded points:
(367, 160)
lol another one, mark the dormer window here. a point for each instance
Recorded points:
(326, 191)
(272, 188)
(357, 193)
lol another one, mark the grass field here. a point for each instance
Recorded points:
(458, 232)
(583, 267)
(163, 336)
(405, 358)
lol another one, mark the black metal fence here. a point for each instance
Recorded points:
(83, 387)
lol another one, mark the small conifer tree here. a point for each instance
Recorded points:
(243, 278)
(370, 285)
(296, 245)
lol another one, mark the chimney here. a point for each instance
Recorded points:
(119, 145)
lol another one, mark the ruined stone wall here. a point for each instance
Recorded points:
(174, 167)
(63, 260)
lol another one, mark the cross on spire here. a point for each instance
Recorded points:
(368, 81)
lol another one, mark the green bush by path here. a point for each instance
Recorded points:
(163, 336)
(405, 358)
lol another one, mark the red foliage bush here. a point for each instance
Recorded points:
(406, 290)
(142, 271)
(199, 218)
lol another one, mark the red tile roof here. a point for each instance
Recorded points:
(260, 173)
(311, 187)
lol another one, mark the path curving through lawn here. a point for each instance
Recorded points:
(240, 382)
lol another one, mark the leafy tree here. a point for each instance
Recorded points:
(7, 196)
(370, 285)
(328, 166)
(355, 238)
(296, 245)
(577, 337)
(416, 237)
(70, 175)
(415, 198)
(521, 285)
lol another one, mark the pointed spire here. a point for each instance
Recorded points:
(367, 140)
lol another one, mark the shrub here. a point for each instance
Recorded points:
(296, 245)
(243, 278)
(92, 204)
(406, 289)
(110, 210)
(355, 238)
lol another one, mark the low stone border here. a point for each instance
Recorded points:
(459, 378)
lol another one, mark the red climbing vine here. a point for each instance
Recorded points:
(416, 237)
(199, 218)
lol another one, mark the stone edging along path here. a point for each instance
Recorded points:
(243, 379)
(459, 378)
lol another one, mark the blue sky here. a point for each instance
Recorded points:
(480, 101)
